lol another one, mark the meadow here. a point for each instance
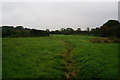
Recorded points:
(58, 56)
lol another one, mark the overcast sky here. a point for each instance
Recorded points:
(56, 15)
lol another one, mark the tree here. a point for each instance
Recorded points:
(95, 32)
(19, 31)
(69, 31)
(78, 31)
(47, 30)
(111, 28)
(88, 29)
(19, 27)
(62, 30)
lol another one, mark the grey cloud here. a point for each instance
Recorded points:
(55, 15)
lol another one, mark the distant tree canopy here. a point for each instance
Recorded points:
(110, 28)
(19, 31)
(70, 31)
(96, 32)
(64, 31)
(78, 31)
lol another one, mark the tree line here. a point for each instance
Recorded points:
(109, 29)
(70, 31)
(19, 31)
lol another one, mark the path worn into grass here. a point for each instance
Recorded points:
(68, 61)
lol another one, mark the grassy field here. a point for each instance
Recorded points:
(47, 57)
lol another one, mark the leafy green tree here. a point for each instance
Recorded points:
(19, 27)
(78, 31)
(111, 28)
(88, 29)
(69, 31)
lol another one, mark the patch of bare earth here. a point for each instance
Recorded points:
(69, 63)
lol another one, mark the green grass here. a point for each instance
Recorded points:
(32, 57)
(94, 60)
(40, 57)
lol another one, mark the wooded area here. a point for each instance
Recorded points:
(109, 29)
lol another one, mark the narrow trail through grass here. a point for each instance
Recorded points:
(68, 61)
